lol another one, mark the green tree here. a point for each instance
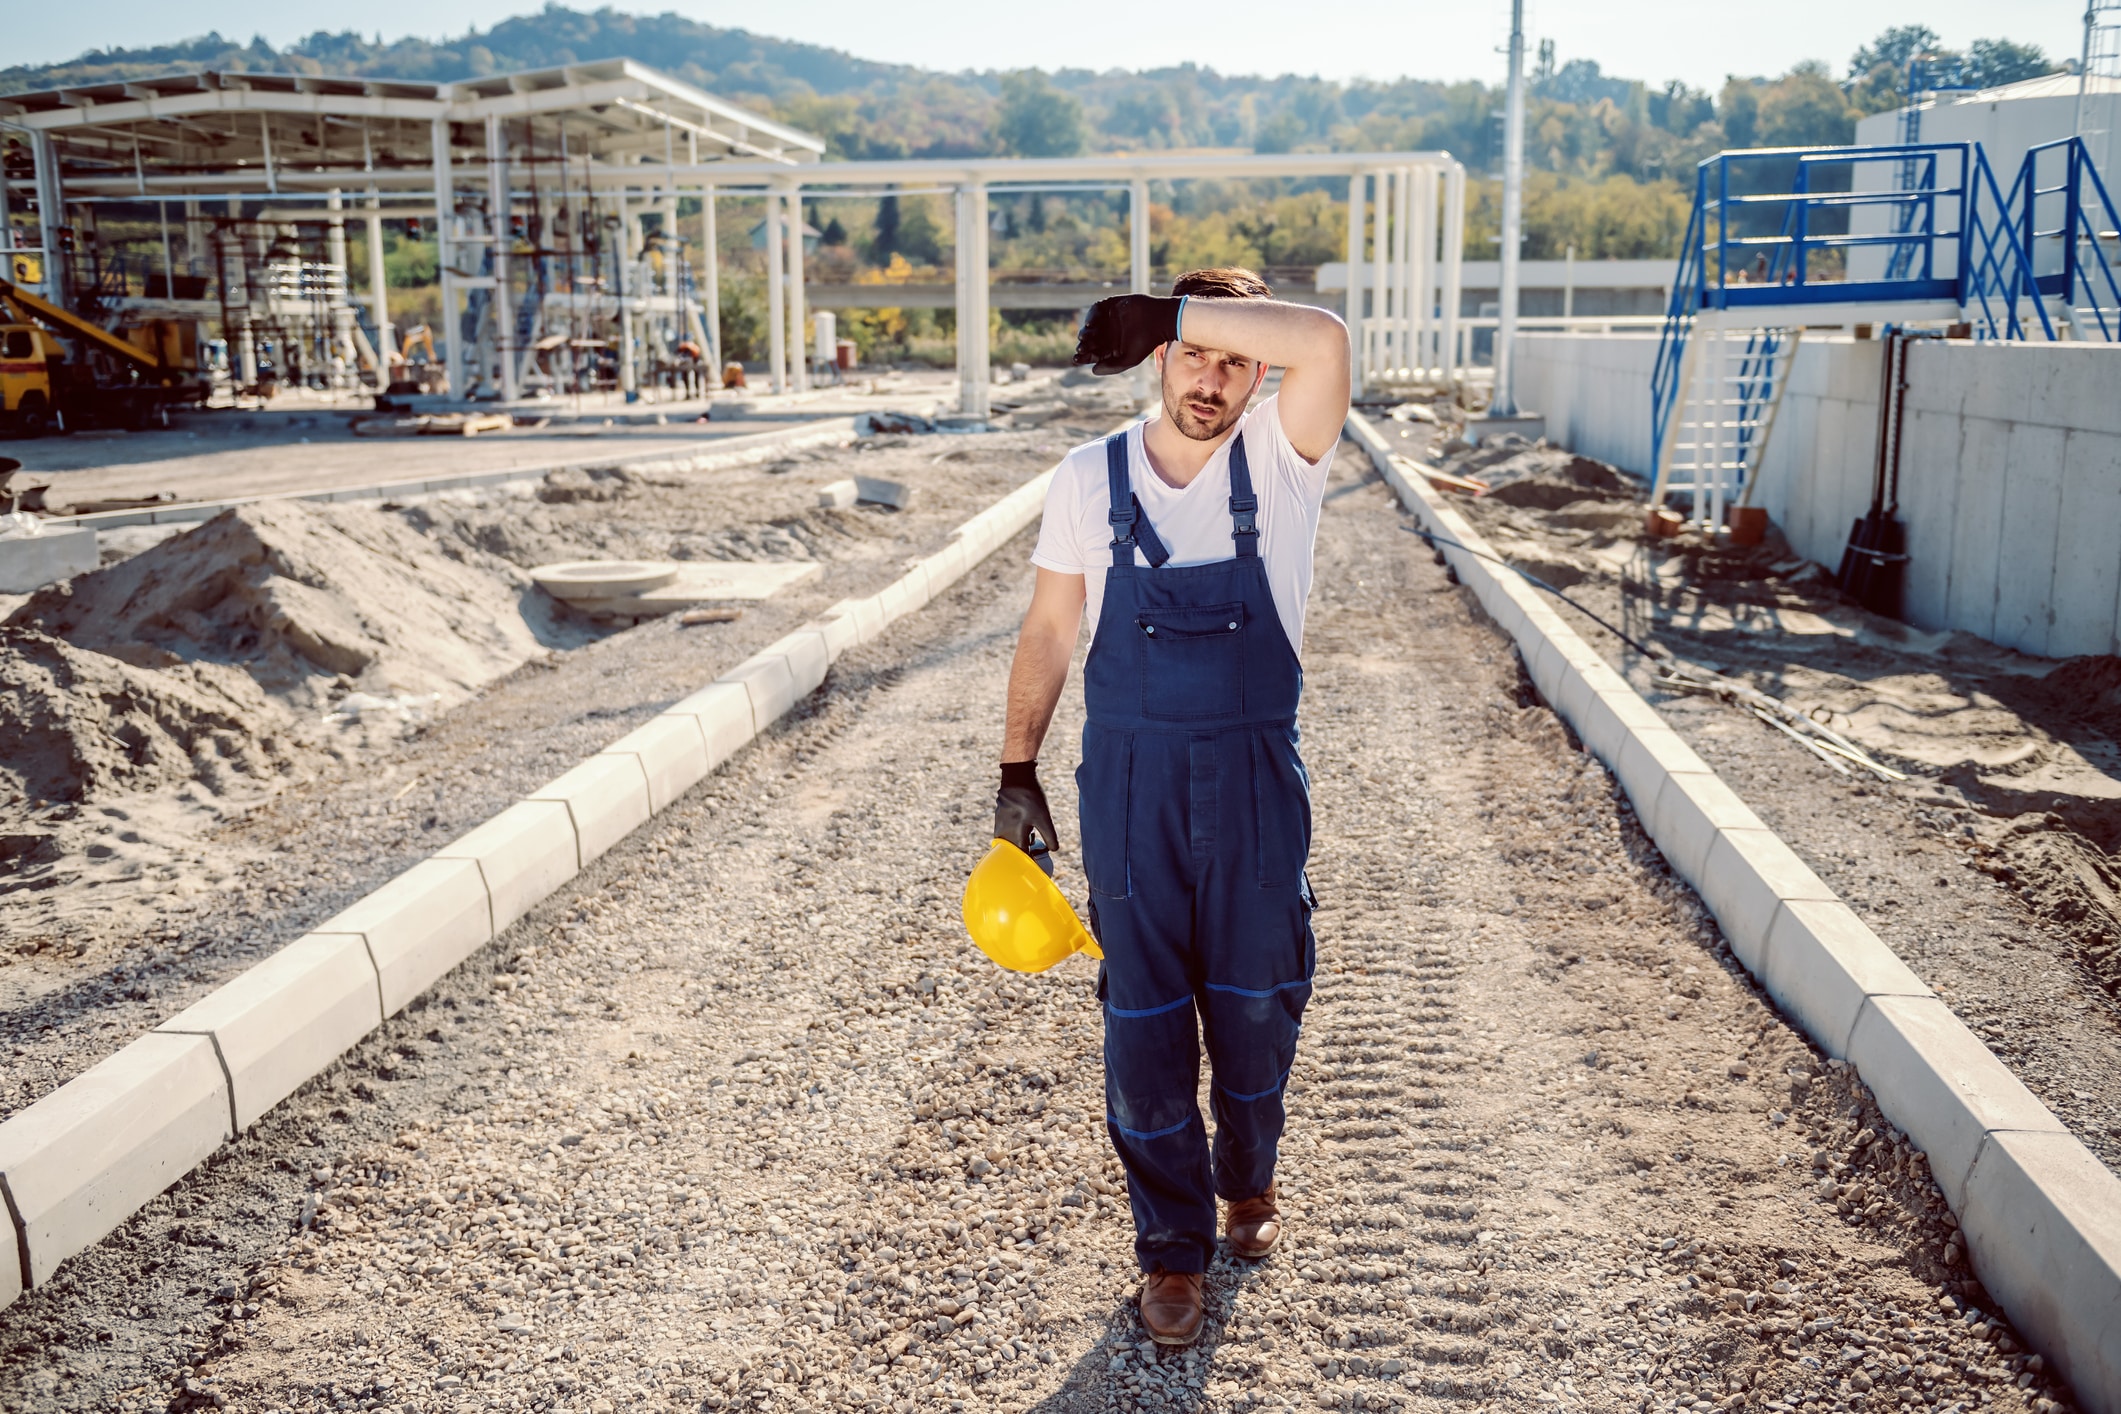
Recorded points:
(920, 234)
(1037, 119)
(1993, 62)
(1805, 108)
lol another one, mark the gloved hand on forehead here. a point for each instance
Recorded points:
(1120, 332)
(1020, 810)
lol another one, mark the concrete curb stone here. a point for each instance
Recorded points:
(2040, 1214)
(1921, 1061)
(723, 712)
(85, 1157)
(2041, 1224)
(523, 854)
(672, 753)
(11, 1258)
(282, 1021)
(420, 925)
(770, 682)
(606, 798)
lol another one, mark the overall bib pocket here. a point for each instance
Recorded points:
(1192, 662)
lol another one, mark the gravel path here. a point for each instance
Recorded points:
(741, 1121)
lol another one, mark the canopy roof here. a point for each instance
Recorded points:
(206, 124)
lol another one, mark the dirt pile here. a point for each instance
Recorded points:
(311, 601)
(80, 725)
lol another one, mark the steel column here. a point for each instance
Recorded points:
(445, 259)
(1454, 246)
(1358, 364)
(776, 310)
(379, 295)
(1504, 401)
(973, 374)
(711, 286)
(1138, 236)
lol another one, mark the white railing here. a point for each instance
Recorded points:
(1375, 332)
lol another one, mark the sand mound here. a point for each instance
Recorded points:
(311, 601)
(79, 724)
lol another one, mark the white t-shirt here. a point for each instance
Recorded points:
(1193, 521)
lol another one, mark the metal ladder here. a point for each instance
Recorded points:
(1729, 388)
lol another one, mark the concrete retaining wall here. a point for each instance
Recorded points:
(2041, 1214)
(80, 1161)
(2010, 469)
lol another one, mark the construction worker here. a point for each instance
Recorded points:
(1189, 538)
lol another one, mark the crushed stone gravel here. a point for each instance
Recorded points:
(741, 1121)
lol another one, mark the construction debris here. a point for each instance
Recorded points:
(642, 590)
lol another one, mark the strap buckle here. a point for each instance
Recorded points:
(1122, 522)
(1244, 511)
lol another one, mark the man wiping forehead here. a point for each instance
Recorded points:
(1189, 541)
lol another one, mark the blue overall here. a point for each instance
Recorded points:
(1196, 822)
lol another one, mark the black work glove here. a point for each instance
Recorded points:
(1120, 332)
(1020, 809)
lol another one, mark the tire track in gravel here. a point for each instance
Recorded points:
(742, 1122)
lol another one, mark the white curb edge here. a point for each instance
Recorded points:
(2040, 1213)
(81, 1160)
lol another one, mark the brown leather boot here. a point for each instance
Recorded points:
(1254, 1225)
(1171, 1306)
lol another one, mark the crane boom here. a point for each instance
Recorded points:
(36, 306)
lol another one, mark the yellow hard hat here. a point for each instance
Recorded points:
(1018, 916)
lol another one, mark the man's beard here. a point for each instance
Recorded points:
(1191, 424)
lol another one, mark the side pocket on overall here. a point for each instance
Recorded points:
(1281, 808)
(1101, 784)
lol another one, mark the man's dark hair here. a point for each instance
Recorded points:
(1222, 282)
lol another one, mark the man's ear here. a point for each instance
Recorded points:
(1259, 381)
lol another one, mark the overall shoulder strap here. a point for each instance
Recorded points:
(1244, 506)
(1130, 526)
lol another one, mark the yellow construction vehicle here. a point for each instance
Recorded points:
(60, 370)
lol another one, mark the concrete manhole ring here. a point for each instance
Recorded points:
(603, 579)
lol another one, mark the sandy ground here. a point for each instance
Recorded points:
(1993, 870)
(297, 449)
(741, 1121)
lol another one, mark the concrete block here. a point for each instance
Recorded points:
(809, 658)
(523, 853)
(10, 1261)
(840, 632)
(420, 925)
(2070, 385)
(1576, 692)
(1745, 879)
(1822, 961)
(287, 1018)
(606, 797)
(1646, 758)
(1602, 726)
(2032, 513)
(1548, 670)
(1935, 1079)
(2042, 1222)
(903, 595)
(1984, 474)
(84, 1158)
(2087, 548)
(672, 753)
(770, 682)
(946, 567)
(723, 710)
(1929, 485)
(29, 562)
(868, 615)
(1689, 810)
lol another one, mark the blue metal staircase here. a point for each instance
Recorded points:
(2069, 257)
(1779, 235)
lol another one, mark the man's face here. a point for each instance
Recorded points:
(1205, 390)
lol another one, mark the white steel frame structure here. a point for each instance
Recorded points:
(463, 154)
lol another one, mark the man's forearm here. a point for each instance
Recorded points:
(1288, 336)
(1036, 677)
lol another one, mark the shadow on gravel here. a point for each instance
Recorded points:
(1164, 1370)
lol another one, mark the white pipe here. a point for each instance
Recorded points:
(776, 313)
(973, 372)
(1568, 283)
(342, 319)
(1504, 402)
(1380, 273)
(379, 296)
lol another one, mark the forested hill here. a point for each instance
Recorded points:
(1584, 125)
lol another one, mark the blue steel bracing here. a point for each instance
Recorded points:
(1687, 283)
(1997, 269)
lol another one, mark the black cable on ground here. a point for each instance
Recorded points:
(1436, 540)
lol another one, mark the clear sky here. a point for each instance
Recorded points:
(1648, 39)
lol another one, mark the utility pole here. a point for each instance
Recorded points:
(1504, 403)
